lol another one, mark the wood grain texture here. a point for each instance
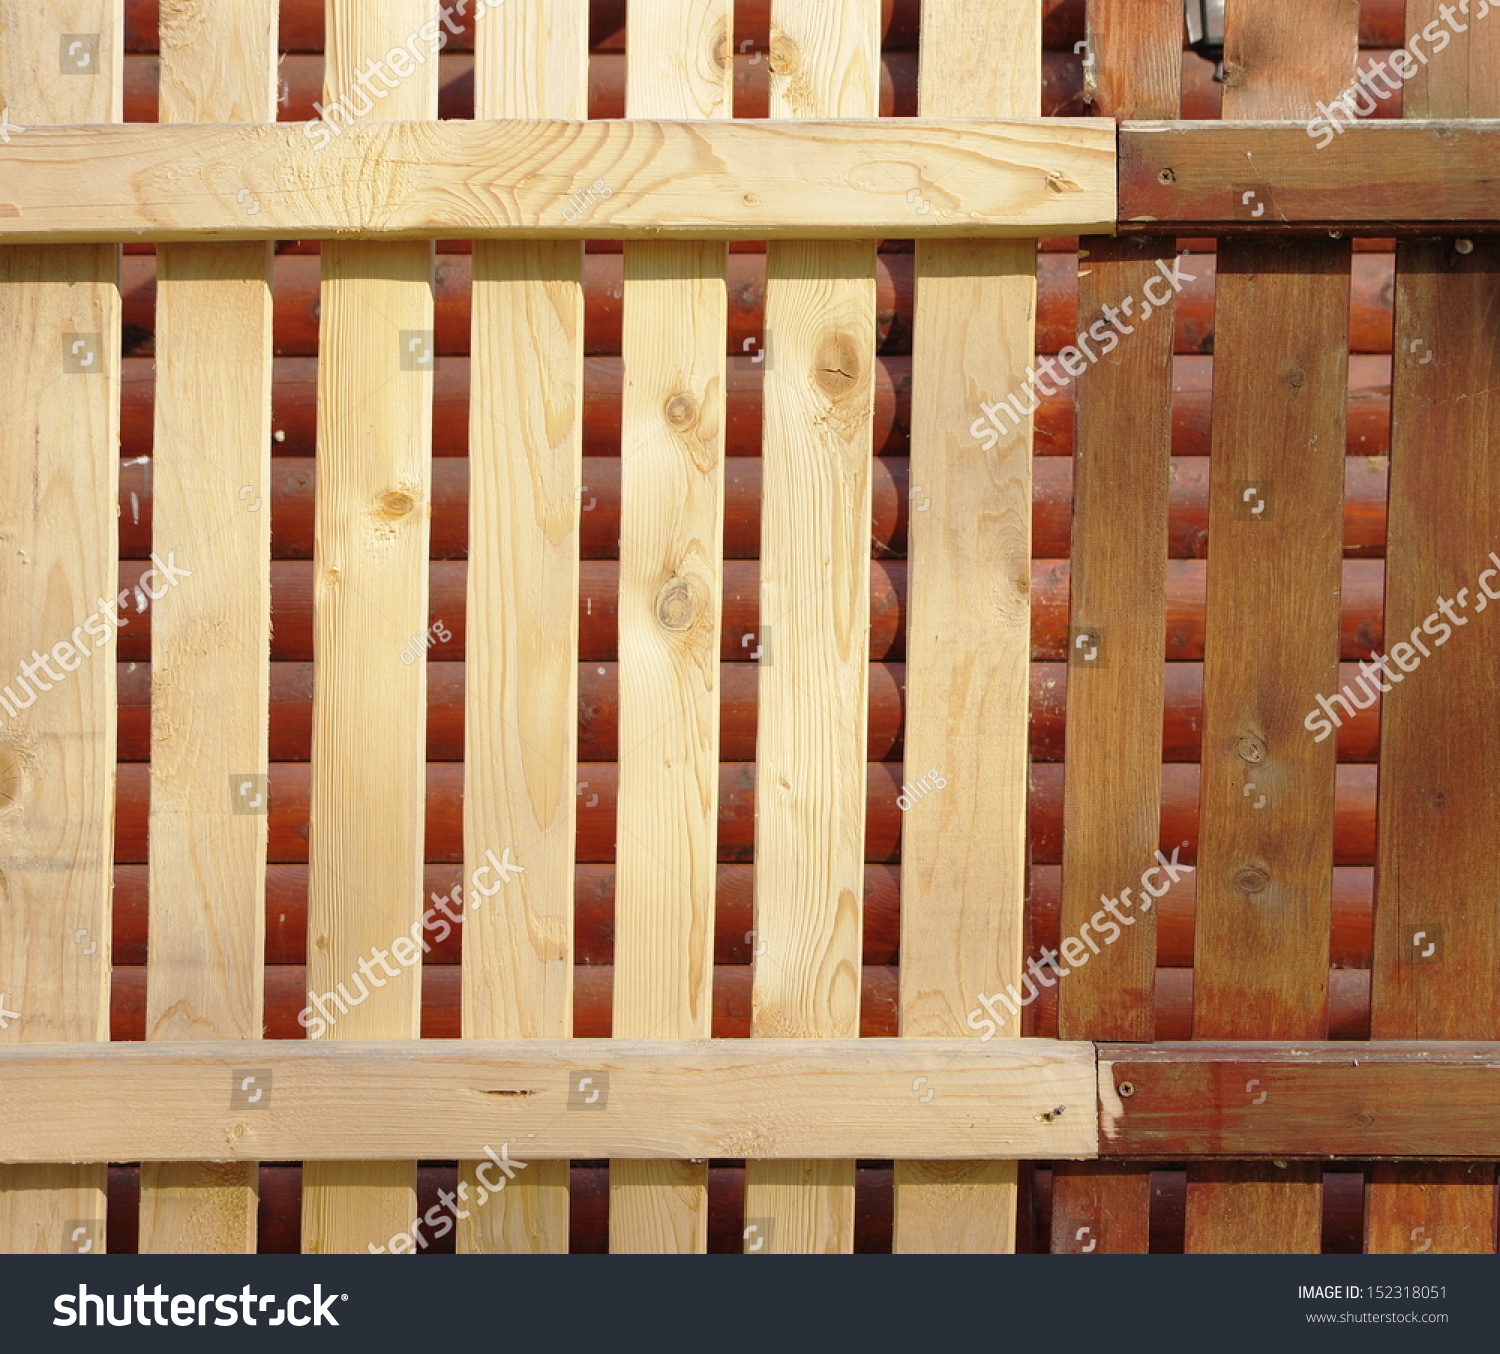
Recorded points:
(1439, 755)
(521, 728)
(210, 699)
(374, 448)
(459, 178)
(964, 845)
(671, 590)
(817, 441)
(357, 1103)
(1100, 1208)
(1383, 178)
(1265, 874)
(59, 439)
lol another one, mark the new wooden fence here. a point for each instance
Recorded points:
(478, 519)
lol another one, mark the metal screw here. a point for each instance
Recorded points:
(1127, 1089)
(1167, 176)
(1464, 246)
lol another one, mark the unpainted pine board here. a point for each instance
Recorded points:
(962, 911)
(673, 339)
(817, 444)
(1265, 849)
(670, 176)
(365, 853)
(521, 677)
(59, 449)
(1121, 488)
(1439, 756)
(211, 469)
(349, 1102)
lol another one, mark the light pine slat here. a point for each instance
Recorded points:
(1438, 761)
(59, 448)
(1121, 481)
(369, 708)
(1272, 622)
(669, 1099)
(748, 180)
(671, 587)
(815, 614)
(210, 661)
(963, 847)
(521, 726)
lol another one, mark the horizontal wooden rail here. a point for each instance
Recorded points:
(548, 1099)
(1381, 178)
(853, 178)
(1365, 1100)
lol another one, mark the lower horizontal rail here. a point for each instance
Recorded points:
(548, 1099)
(913, 1099)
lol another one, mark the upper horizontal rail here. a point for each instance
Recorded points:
(621, 179)
(1199, 178)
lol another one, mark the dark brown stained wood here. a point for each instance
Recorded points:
(1305, 1099)
(1440, 756)
(1119, 558)
(1437, 1209)
(1100, 1208)
(1266, 812)
(1381, 177)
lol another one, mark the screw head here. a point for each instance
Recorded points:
(1127, 1089)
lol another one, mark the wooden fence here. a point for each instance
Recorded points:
(648, 806)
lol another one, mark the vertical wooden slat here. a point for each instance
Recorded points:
(963, 847)
(59, 466)
(1121, 478)
(1439, 796)
(673, 344)
(521, 701)
(369, 708)
(819, 402)
(210, 638)
(1265, 856)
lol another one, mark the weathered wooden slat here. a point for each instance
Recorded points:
(962, 911)
(521, 729)
(374, 452)
(675, 317)
(1437, 935)
(211, 463)
(659, 1100)
(59, 434)
(1387, 178)
(1306, 1099)
(1265, 854)
(818, 414)
(1121, 486)
(847, 179)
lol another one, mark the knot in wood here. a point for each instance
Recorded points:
(1250, 748)
(681, 412)
(1250, 879)
(394, 504)
(677, 604)
(837, 367)
(1293, 374)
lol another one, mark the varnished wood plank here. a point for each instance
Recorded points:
(671, 590)
(365, 848)
(1265, 849)
(962, 911)
(817, 445)
(1436, 939)
(749, 180)
(1383, 178)
(59, 439)
(1100, 1208)
(521, 728)
(354, 1103)
(210, 695)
